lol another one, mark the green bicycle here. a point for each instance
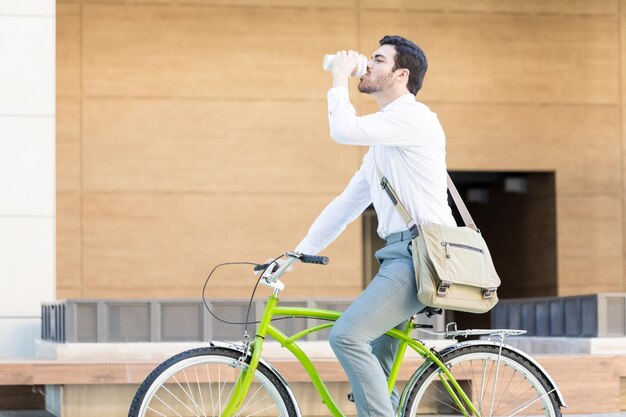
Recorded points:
(472, 378)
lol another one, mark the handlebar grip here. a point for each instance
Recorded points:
(314, 259)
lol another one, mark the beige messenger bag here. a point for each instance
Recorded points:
(453, 267)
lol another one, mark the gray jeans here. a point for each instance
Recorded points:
(358, 338)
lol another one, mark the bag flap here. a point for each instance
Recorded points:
(459, 255)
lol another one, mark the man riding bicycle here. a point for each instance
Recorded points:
(407, 143)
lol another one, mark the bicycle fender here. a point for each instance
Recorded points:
(272, 369)
(409, 386)
(411, 382)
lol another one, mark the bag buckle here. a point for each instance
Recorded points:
(488, 293)
(384, 184)
(443, 287)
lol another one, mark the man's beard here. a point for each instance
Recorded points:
(381, 83)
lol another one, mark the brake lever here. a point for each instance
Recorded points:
(266, 268)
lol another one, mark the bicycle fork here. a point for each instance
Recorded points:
(242, 385)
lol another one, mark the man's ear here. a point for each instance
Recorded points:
(404, 72)
(403, 75)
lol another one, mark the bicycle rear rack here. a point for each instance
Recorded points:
(452, 332)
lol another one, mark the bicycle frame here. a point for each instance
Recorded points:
(266, 328)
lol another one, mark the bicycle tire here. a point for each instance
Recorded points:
(199, 381)
(518, 384)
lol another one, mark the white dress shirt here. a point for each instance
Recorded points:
(408, 144)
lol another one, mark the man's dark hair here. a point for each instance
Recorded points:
(411, 57)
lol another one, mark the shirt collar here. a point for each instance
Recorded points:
(405, 98)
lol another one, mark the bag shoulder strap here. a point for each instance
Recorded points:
(460, 205)
(404, 214)
(402, 211)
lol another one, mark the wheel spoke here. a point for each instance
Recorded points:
(195, 370)
(506, 389)
(219, 389)
(260, 411)
(208, 377)
(525, 406)
(167, 405)
(230, 394)
(186, 393)
(177, 399)
(450, 404)
(155, 411)
(518, 397)
(245, 406)
(443, 395)
(193, 400)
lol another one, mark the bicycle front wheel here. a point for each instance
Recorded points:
(497, 385)
(199, 382)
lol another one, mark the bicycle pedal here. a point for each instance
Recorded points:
(351, 397)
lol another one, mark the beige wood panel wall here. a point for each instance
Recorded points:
(191, 132)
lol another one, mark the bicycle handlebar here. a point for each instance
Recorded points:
(304, 258)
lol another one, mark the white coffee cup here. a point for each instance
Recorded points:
(360, 70)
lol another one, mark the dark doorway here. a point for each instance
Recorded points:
(516, 213)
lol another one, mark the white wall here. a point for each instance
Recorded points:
(27, 170)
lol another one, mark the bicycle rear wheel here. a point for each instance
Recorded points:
(199, 382)
(506, 385)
